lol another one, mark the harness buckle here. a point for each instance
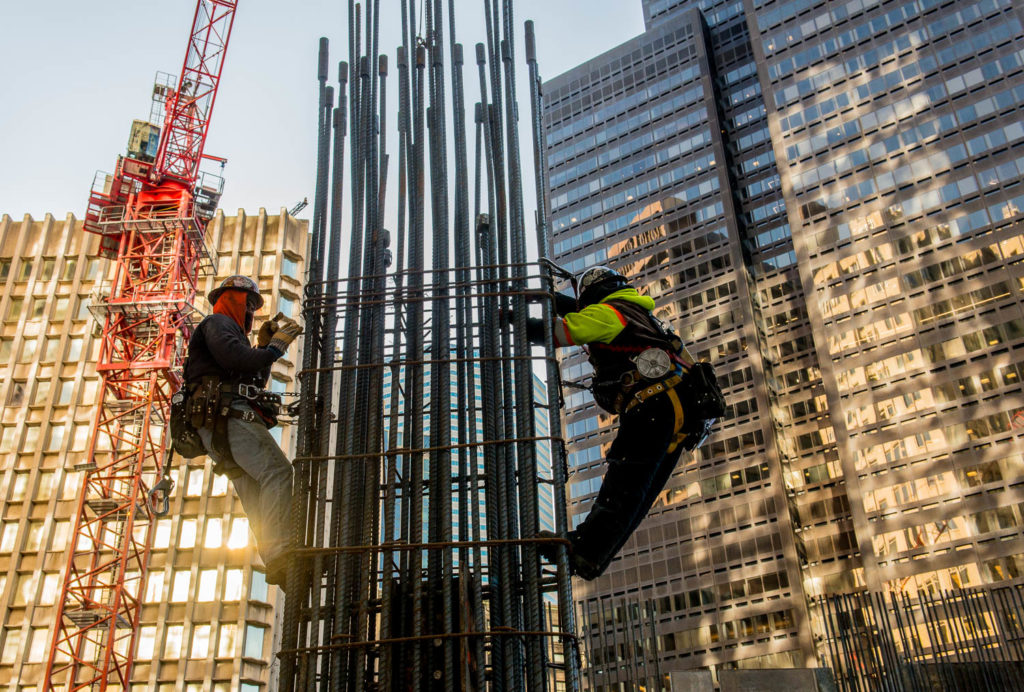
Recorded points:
(249, 391)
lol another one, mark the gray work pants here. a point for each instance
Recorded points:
(264, 487)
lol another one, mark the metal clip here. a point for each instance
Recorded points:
(161, 493)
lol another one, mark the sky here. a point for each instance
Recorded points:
(73, 76)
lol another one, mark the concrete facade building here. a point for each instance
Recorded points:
(208, 612)
(823, 198)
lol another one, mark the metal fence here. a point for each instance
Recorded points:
(424, 452)
(964, 639)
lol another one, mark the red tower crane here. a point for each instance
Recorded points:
(151, 214)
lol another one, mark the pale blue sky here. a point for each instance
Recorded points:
(74, 74)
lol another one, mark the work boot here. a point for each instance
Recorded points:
(548, 550)
(277, 572)
(583, 568)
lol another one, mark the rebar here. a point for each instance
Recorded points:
(415, 563)
(959, 639)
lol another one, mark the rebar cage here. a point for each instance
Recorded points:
(430, 460)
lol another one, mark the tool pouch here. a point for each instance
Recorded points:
(702, 397)
(207, 410)
(184, 438)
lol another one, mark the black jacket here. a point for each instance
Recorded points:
(219, 347)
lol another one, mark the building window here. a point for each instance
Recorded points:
(12, 642)
(44, 486)
(72, 484)
(286, 305)
(179, 592)
(34, 540)
(226, 640)
(19, 487)
(60, 309)
(289, 267)
(75, 344)
(65, 387)
(258, 591)
(31, 442)
(254, 635)
(52, 346)
(55, 438)
(194, 487)
(92, 268)
(29, 347)
(38, 309)
(187, 535)
(233, 585)
(200, 641)
(48, 594)
(14, 308)
(42, 393)
(245, 263)
(207, 591)
(220, 486)
(267, 264)
(214, 533)
(38, 645)
(239, 537)
(26, 590)
(61, 530)
(147, 639)
(154, 587)
(172, 645)
(162, 538)
(8, 537)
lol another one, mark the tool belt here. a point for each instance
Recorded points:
(208, 404)
(696, 397)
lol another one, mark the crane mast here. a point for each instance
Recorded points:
(151, 215)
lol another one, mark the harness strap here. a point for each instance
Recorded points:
(677, 432)
(666, 386)
(657, 388)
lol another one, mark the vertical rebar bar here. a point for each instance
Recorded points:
(415, 349)
(559, 467)
(306, 414)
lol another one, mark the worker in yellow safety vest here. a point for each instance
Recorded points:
(643, 373)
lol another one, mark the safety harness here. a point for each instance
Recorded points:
(653, 362)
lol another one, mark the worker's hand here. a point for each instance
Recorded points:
(287, 332)
(266, 333)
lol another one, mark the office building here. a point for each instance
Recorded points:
(207, 618)
(823, 198)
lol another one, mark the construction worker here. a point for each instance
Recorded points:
(229, 409)
(666, 403)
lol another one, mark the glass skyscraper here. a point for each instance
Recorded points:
(823, 198)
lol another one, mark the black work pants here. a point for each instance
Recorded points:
(640, 461)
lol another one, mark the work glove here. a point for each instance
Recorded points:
(287, 332)
(534, 325)
(266, 333)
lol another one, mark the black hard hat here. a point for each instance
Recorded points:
(239, 283)
(598, 282)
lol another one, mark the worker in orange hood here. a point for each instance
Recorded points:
(225, 376)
